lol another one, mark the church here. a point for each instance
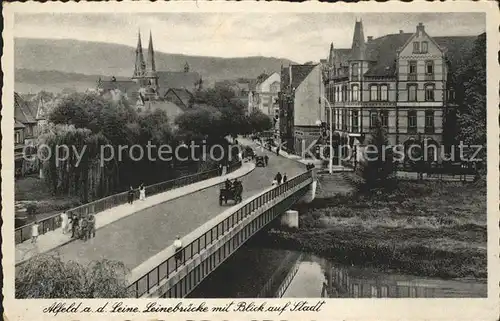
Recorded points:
(149, 88)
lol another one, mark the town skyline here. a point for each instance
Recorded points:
(214, 35)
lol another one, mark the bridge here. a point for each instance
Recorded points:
(210, 232)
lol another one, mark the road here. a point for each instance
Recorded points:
(137, 237)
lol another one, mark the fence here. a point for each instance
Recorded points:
(53, 222)
(166, 268)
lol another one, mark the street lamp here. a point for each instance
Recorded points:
(330, 114)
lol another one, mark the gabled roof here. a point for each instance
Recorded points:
(342, 56)
(184, 95)
(18, 124)
(23, 112)
(177, 79)
(383, 50)
(299, 73)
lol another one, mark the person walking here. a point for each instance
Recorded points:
(84, 228)
(34, 232)
(266, 159)
(64, 222)
(130, 195)
(91, 226)
(178, 249)
(278, 178)
(74, 226)
(285, 178)
(142, 193)
(278, 151)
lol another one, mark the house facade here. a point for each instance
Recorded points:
(401, 80)
(25, 134)
(265, 95)
(301, 106)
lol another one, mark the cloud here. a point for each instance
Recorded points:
(298, 36)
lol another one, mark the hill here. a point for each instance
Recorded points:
(55, 62)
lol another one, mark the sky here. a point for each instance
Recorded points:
(299, 37)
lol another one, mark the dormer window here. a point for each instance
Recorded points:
(416, 47)
(425, 46)
(355, 71)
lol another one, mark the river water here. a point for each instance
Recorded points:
(263, 272)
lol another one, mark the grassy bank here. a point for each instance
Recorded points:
(422, 228)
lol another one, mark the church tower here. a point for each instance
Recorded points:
(140, 66)
(151, 75)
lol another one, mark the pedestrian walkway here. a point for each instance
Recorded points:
(53, 239)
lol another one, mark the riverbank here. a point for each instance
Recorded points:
(432, 229)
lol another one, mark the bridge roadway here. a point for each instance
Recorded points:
(137, 237)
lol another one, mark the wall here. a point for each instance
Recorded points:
(308, 106)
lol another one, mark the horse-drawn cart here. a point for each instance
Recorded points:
(233, 193)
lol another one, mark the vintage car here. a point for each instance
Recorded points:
(260, 161)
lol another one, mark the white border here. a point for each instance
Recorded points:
(335, 309)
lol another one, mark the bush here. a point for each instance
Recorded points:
(47, 276)
(31, 209)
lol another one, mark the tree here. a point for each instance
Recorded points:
(377, 165)
(471, 95)
(46, 276)
(259, 122)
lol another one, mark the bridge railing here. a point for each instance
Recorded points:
(162, 271)
(53, 222)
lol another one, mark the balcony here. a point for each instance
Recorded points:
(412, 130)
(355, 129)
(429, 129)
(429, 77)
(412, 77)
(354, 77)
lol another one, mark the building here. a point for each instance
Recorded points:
(179, 96)
(402, 79)
(301, 106)
(25, 132)
(147, 84)
(265, 96)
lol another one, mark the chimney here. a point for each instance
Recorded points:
(400, 31)
(370, 38)
(420, 27)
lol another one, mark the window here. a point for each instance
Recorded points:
(355, 71)
(355, 121)
(412, 70)
(355, 291)
(355, 93)
(373, 92)
(412, 92)
(383, 92)
(413, 67)
(412, 120)
(383, 291)
(429, 92)
(17, 137)
(451, 94)
(429, 119)
(374, 291)
(384, 118)
(425, 46)
(416, 47)
(429, 67)
(344, 93)
(373, 118)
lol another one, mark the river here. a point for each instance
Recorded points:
(263, 272)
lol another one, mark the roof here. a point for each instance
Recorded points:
(299, 73)
(23, 111)
(184, 95)
(18, 124)
(177, 79)
(383, 50)
(342, 56)
(171, 109)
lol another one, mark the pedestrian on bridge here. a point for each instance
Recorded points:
(142, 193)
(64, 222)
(278, 178)
(130, 195)
(285, 178)
(91, 226)
(266, 159)
(178, 249)
(74, 225)
(34, 232)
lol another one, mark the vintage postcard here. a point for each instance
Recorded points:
(250, 161)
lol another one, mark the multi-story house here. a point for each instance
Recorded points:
(25, 131)
(301, 106)
(400, 79)
(266, 94)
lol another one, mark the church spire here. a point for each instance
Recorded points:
(358, 42)
(331, 57)
(151, 67)
(140, 66)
